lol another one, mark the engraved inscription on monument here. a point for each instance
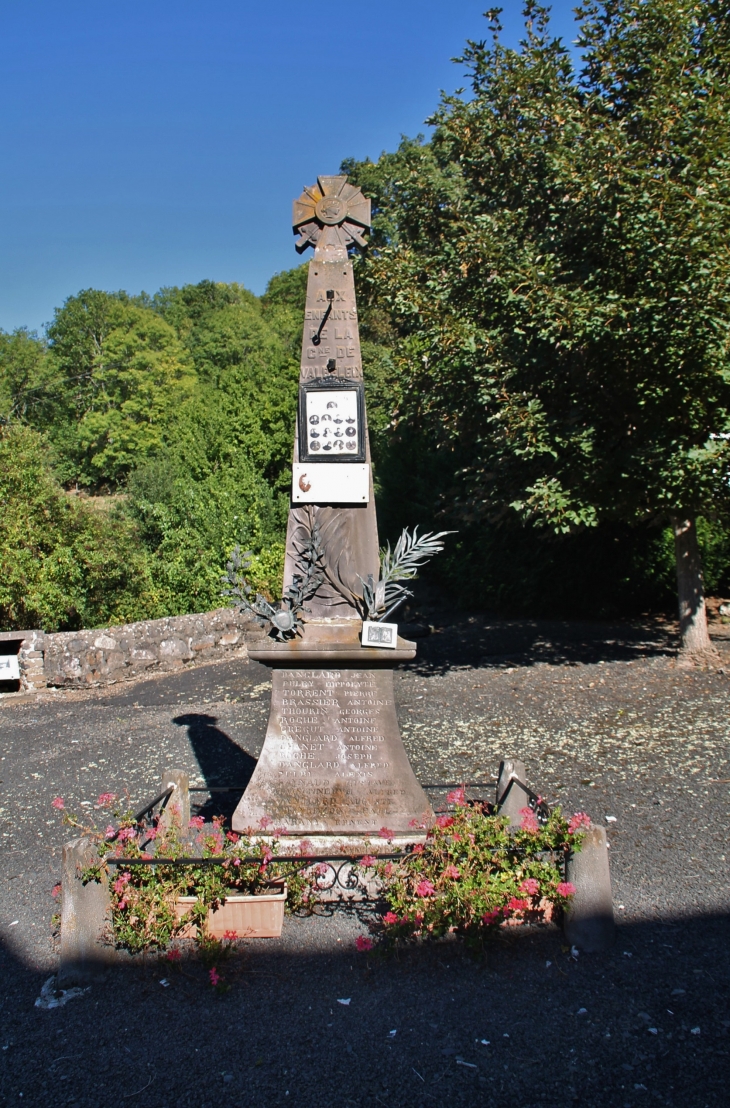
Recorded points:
(333, 759)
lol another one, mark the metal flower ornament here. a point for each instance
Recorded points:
(332, 209)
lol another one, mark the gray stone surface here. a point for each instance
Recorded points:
(589, 920)
(106, 656)
(85, 947)
(605, 722)
(333, 761)
(178, 804)
(510, 798)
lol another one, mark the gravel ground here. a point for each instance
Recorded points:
(605, 720)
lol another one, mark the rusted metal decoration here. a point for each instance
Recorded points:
(333, 763)
(332, 210)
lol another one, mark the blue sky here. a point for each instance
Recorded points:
(156, 143)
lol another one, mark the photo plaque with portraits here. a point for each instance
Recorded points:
(331, 421)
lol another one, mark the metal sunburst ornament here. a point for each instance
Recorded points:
(334, 210)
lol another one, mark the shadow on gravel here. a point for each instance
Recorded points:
(644, 1024)
(222, 762)
(485, 643)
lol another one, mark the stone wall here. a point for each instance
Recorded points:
(79, 659)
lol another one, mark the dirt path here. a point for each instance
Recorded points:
(605, 720)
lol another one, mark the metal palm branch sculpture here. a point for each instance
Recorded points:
(401, 564)
(287, 617)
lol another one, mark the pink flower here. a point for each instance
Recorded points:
(515, 905)
(121, 882)
(236, 861)
(490, 917)
(565, 888)
(56, 890)
(580, 819)
(457, 797)
(106, 799)
(126, 833)
(529, 820)
(418, 919)
(425, 888)
(152, 834)
(265, 822)
(452, 872)
(418, 848)
(266, 855)
(57, 802)
(122, 905)
(214, 977)
(197, 821)
(444, 821)
(110, 832)
(305, 847)
(278, 832)
(530, 886)
(230, 935)
(173, 956)
(390, 917)
(386, 833)
(368, 860)
(321, 869)
(363, 943)
(232, 836)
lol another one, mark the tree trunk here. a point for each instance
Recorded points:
(692, 614)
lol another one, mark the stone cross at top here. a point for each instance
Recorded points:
(331, 216)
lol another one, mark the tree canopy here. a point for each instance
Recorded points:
(556, 261)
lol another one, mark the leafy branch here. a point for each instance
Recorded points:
(400, 564)
(286, 618)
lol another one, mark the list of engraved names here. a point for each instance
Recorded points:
(337, 723)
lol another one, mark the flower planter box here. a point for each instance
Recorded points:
(251, 917)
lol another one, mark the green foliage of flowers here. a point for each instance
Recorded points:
(474, 873)
(144, 897)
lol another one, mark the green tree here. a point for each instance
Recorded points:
(63, 564)
(556, 262)
(121, 375)
(26, 377)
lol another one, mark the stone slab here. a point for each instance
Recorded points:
(333, 761)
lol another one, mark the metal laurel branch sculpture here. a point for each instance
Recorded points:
(287, 617)
(400, 564)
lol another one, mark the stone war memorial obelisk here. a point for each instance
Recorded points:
(333, 765)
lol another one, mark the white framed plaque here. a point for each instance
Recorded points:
(383, 635)
(331, 421)
(323, 483)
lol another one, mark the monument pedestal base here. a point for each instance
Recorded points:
(333, 768)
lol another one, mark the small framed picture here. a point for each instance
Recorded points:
(380, 634)
(331, 421)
